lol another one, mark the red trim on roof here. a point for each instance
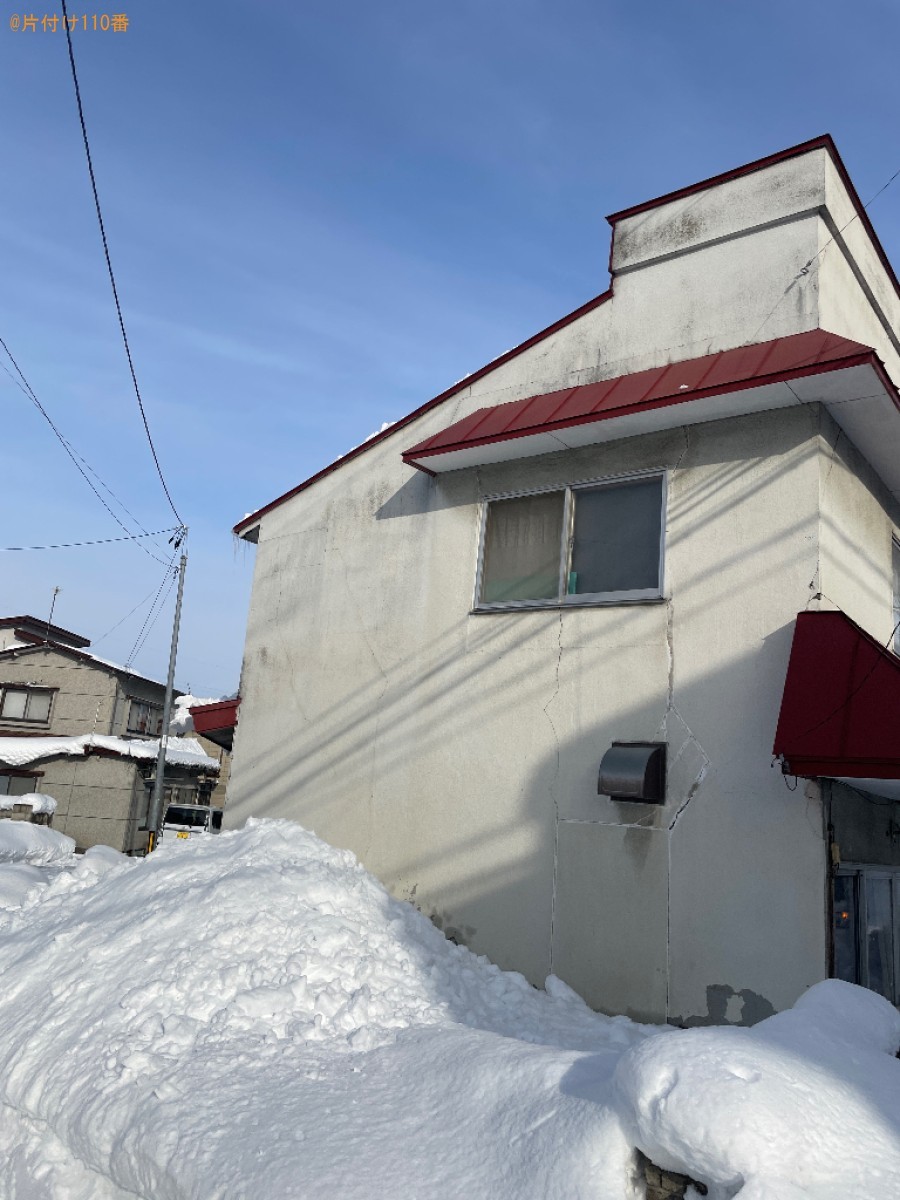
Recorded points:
(776, 361)
(823, 142)
(589, 306)
(840, 704)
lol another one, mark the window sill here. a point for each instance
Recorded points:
(565, 605)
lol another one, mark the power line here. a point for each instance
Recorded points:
(120, 503)
(140, 604)
(133, 537)
(112, 278)
(150, 618)
(70, 449)
(29, 391)
(162, 605)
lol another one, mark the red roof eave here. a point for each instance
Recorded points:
(222, 714)
(778, 361)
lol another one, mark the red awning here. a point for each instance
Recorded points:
(840, 713)
(804, 368)
(217, 721)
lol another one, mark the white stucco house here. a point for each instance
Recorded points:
(651, 551)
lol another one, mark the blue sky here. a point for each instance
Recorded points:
(322, 214)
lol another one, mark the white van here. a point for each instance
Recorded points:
(191, 820)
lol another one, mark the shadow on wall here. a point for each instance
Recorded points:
(473, 792)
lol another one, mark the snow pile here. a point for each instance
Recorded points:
(38, 802)
(20, 841)
(185, 752)
(253, 1015)
(804, 1104)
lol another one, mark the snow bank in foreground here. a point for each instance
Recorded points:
(805, 1104)
(253, 1015)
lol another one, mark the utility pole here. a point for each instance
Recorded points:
(154, 817)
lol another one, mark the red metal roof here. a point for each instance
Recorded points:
(840, 712)
(776, 361)
(217, 721)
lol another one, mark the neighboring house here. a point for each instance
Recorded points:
(606, 536)
(85, 731)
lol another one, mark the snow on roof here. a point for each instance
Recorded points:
(182, 721)
(182, 752)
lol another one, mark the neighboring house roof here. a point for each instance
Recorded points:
(181, 752)
(763, 373)
(32, 629)
(841, 698)
(245, 527)
(20, 650)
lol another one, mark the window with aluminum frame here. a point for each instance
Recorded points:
(22, 702)
(593, 542)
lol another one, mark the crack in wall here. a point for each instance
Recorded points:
(690, 740)
(553, 795)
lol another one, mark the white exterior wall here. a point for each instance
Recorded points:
(859, 519)
(457, 754)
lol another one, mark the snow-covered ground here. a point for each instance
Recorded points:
(252, 1015)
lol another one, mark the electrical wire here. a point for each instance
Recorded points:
(120, 503)
(139, 646)
(150, 618)
(29, 391)
(133, 537)
(140, 604)
(109, 267)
